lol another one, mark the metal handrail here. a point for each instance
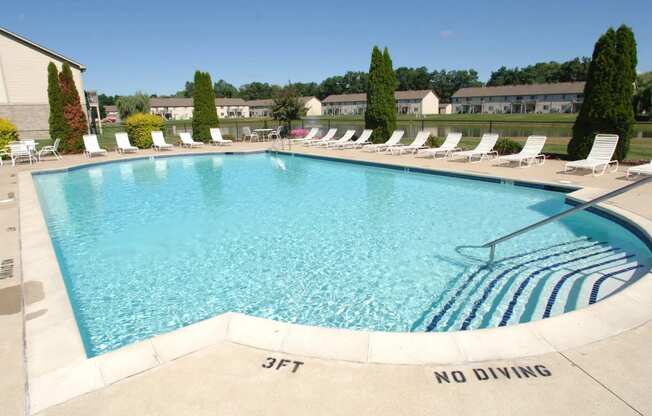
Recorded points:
(492, 244)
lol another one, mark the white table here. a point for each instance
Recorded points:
(263, 132)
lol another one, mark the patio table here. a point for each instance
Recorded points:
(263, 132)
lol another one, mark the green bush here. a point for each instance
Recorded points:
(507, 146)
(140, 126)
(8, 132)
(434, 141)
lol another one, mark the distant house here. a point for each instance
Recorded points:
(421, 102)
(263, 108)
(445, 108)
(112, 112)
(24, 83)
(564, 97)
(178, 108)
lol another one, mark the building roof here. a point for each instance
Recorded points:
(531, 89)
(40, 48)
(187, 102)
(269, 102)
(398, 95)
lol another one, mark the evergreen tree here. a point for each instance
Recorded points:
(380, 115)
(72, 142)
(608, 94)
(626, 61)
(56, 121)
(204, 116)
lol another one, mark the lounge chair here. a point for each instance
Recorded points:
(20, 151)
(216, 137)
(328, 136)
(91, 147)
(484, 149)
(356, 144)
(392, 141)
(348, 135)
(645, 169)
(188, 141)
(530, 154)
(123, 144)
(247, 133)
(450, 145)
(158, 141)
(52, 149)
(600, 156)
(418, 143)
(310, 136)
(275, 134)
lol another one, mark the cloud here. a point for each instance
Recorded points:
(21, 17)
(445, 34)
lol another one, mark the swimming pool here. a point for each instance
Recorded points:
(151, 245)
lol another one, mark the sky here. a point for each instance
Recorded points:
(155, 46)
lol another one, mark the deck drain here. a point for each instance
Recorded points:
(10, 229)
(7, 269)
(11, 195)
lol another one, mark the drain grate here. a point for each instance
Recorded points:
(7, 269)
(10, 229)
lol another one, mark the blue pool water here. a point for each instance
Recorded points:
(149, 246)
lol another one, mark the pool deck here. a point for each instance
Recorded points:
(584, 365)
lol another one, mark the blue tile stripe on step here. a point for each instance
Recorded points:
(596, 286)
(521, 288)
(560, 283)
(490, 287)
(435, 320)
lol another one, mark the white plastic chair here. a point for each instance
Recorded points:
(530, 154)
(158, 141)
(91, 147)
(450, 145)
(188, 141)
(417, 144)
(327, 137)
(216, 137)
(394, 139)
(484, 149)
(20, 151)
(123, 144)
(52, 149)
(645, 169)
(247, 133)
(602, 151)
(356, 144)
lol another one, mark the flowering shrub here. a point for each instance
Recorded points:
(296, 133)
(8, 132)
(140, 127)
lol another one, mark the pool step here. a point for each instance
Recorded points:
(533, 285)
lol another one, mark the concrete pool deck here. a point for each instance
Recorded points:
(593, 368)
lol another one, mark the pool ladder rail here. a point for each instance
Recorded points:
(280, 143)
(491, 245)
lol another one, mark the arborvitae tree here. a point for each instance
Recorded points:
(205, 113)
(75, 117)
(380, 95)
(626, 61)
(56, 121)
(607, 94)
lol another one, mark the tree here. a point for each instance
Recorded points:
(56, 120)
(642, 101)
(306, 89)
(380, 114)
(541, 72)
(73, 113)
(104, 100)
(445, 83)
(287, 106)
(187, 91)
(225, 90)
(413, 78)
(608, 94)
(204, 115)
(258, 90)
(132, 104)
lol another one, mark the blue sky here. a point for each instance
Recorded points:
(155, 46)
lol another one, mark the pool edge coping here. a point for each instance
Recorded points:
(74, 374)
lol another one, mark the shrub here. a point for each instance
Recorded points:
(8, 132)
(434, 141)
(73, 113)
(295, 133)
(56, 119)
(204, 115)
(380, 114)
(505, 146)
(140, 127)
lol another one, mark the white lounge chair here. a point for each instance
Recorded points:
(216, 137)
(20, 151)
(484, 149)
(188, 141)
(123, 144)
(310, 136)
(604, 146)
(158, 141)
(450, 145)
(529, 154)
(328, 136)
(348, 135)
(52, 149)
(357, 143)
(645, 169)
(418, 143)
(394, 139)
(91, 147)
